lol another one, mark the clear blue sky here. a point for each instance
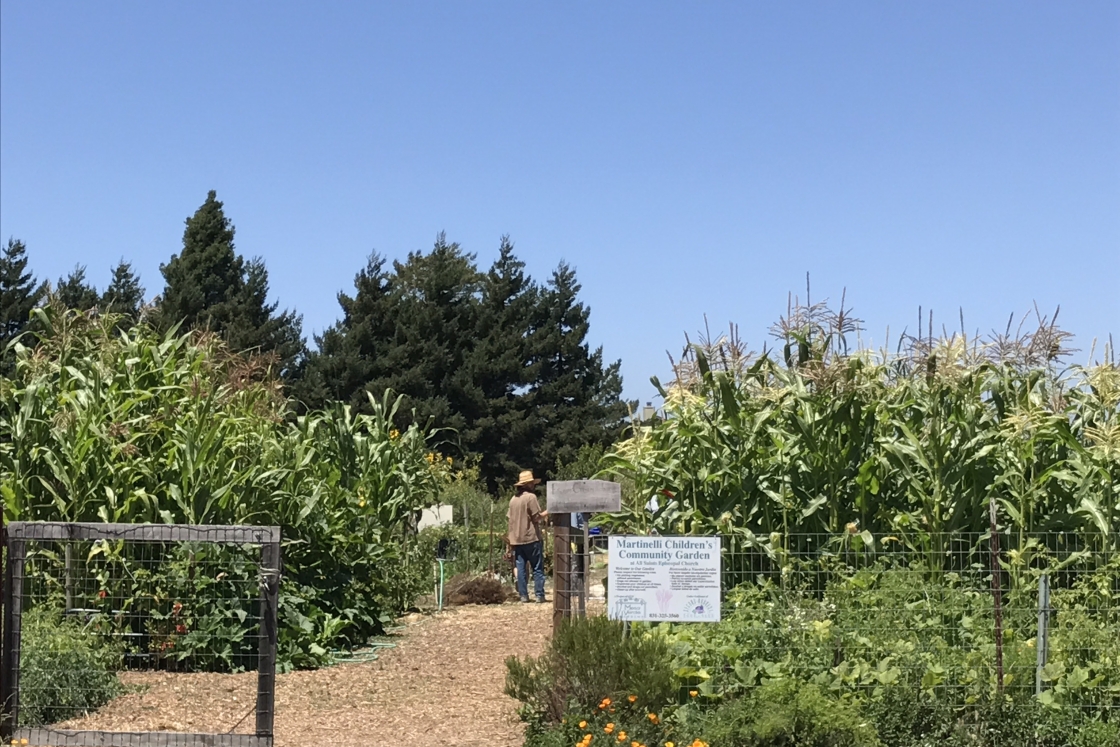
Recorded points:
(687, 158)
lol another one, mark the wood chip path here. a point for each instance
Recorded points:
(440, 687)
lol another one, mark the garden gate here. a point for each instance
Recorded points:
(140, 598)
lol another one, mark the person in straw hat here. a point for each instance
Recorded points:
(524, 538)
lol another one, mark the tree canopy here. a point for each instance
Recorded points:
(498, 362)
(19, 294)
(495, 363)
(210, 286)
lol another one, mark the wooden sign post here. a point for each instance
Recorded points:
(565, 498)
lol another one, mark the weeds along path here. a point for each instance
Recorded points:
(441, 686)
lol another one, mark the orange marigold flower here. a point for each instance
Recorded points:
(632, 698)
(608, 728)
(583, 724)
(652, 718)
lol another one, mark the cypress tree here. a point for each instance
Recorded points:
(19, 294)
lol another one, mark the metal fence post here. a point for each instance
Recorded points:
(1042, 643)
(561, 570)
(13, 606)
(266, 667)
(585, 565)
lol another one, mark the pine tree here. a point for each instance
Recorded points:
(257, 326)
(352, 352)
(500, 366)
(434, 314)
(210, 286)
(410, 330)
(574, 399)
(205, 280)
(74, 292)
(124, 295)
(19, 294)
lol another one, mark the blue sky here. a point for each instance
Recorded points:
(687, 158)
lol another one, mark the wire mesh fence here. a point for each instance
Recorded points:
(94, 611)
(959, 618)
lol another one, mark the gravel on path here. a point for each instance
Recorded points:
(441, 686)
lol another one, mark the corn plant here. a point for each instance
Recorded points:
(816, 438)
(106, 424)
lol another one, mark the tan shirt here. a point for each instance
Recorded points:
(524, 512)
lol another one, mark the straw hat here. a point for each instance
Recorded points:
(526, 478)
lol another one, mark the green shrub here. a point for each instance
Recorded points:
(790, 714)
(589, 660)
(65, 671)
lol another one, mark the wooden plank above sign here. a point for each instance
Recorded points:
(583, 496)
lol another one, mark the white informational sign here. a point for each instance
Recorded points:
(436, 516)
(664, 579)
(583, 496)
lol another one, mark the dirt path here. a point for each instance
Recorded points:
(441, 686)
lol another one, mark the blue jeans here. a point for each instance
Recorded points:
(530, 555)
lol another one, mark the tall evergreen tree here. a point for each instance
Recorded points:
(19, 294)
(258, 326)
(124, 295)
(575, 399)
(501, 435)
(210, 286)
(352, 352)
(499, 362)
(74, 292)
(435, 309)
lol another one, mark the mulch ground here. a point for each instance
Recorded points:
(441, 686)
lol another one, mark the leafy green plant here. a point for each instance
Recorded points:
(826, 440)
(790, 713)
(109, 425)
(587, 661)
(65, 670)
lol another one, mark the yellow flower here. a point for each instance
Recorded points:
(631, 698)
(635, 744)
(670, 744)
(583, 724)
(608, 728)
(692, 693)
(394, 434)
